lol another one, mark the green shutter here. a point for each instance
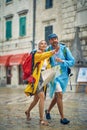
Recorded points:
(48, 30)
(49, 4)
(22, 26)
(8, 1)
(8, 29)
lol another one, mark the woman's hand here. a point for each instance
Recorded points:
(55, 50)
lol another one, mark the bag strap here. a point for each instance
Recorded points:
(69, 70)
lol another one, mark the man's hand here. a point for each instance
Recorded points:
(58, 59)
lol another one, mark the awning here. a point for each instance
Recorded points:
(4, 60)
(17, 59)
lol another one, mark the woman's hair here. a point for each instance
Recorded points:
(41, 42)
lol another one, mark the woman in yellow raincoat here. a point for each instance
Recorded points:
(41, 57)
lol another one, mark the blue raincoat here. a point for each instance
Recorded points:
(69, 61)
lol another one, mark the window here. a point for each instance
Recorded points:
(20, 74)
(49, 4)
(22, 26)
(8, 74)
(8, 29)
(48, 30)
(8, 1)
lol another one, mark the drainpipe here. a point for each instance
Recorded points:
(34, 20)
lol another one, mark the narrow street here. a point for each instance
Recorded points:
(13, 103)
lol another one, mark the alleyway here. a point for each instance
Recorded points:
(13, 103)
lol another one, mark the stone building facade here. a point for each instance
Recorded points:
(32, 20)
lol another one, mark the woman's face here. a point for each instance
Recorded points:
(42, 45)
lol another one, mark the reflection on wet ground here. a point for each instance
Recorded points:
(13, 103)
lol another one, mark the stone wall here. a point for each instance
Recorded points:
(65, 16)
(16, 44)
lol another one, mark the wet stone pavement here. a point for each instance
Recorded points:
(13, 103)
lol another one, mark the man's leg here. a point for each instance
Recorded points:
(47, 112)
(53, 102)
(59, 97)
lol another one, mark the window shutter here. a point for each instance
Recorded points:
(8, 29)
(48, 30)
(8, 1)
(49, 4)
(22, 26)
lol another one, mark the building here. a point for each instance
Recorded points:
(23, 23)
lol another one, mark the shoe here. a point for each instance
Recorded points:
(47, 115)
(64, 121)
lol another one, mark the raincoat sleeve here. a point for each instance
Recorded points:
(69, 59)
(39, 56)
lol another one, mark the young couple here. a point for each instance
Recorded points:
(55, 53)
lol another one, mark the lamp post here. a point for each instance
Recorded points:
(34, 23)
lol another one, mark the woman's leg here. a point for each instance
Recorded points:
(41, 104)
(33, 103)
(41, 108)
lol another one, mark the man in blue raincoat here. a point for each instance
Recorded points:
(64, 59)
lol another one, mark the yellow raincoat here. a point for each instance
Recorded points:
(38, 58)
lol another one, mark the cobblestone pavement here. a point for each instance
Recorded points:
(13, 103)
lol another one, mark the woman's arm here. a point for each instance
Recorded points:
(43, 55)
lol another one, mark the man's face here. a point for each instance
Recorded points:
(54, 42)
